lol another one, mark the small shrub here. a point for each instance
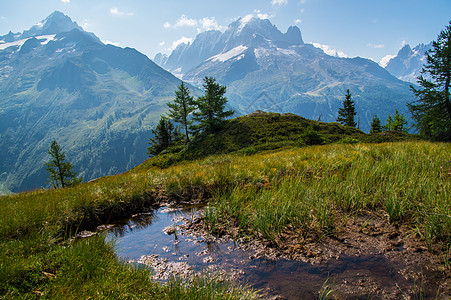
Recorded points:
(349, 140)
(311, 137)
(248, 150)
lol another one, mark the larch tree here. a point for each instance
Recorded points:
(165, 134)
(60, 170)
(396, 123)
(431, 111)
(211, 107)
(181, 108)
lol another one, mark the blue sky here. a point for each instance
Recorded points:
(366, 28)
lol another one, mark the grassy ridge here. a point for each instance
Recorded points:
(261, 131)
(266, 192)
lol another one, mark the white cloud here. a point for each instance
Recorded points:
(65, 1)
(162, 43)
(210, 24)
(297, 21)
(85, 25)
(246, 19)
(330, 51)
(115, 11)
(183, 21)
(261, 15)
(183, 40)
(206, 23)
(384, 60)
(107, 42)
(279, 2)
(376, 46)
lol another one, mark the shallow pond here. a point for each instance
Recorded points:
(142, 239)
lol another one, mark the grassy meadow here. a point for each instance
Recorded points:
(262, 194)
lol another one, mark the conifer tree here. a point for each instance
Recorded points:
(61, 174)
(211, 106)
(165, 134)
(180, 109)
(376, 126)
(347, 112)
(397, 123)
(431, 111)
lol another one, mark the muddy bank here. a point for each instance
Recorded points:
(366, 257)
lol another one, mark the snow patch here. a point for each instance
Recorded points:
(12, 44)
(287, 52)
(260, 52)
(19, 43)
(385, 60)
(48, 38)
(245, 20)
(229, 54)
(330, 51)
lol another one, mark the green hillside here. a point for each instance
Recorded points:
(98, 101)
(261, 131)
(309, 189)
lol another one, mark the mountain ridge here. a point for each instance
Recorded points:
(98, 101)
(408, 63)
(266, 69)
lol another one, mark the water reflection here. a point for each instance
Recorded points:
(137, 222)
(144, 235)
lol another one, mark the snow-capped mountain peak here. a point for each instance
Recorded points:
(407, 64)
(244, 33)
(55, 23)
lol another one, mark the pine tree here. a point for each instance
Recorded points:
(376, 126)
(165, 134)
(180, 109)
(347, 112)
(211, 107)
(397, 123)
(431, 111)
(61, 174)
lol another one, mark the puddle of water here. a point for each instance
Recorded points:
(144, 235)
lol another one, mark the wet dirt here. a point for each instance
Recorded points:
(367, 257)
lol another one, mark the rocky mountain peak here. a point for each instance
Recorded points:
(405, 51)
(293, 36)
(55, 23)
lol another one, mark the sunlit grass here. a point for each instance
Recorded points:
(262, 194)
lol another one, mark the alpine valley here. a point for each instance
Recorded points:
(266, 69)
(58, 82)
(100, 102)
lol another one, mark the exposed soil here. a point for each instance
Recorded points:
(367, 257)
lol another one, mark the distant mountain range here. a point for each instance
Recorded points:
(98, 101)
(266, 69)
(407, 64)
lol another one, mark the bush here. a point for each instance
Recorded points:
(349, 140)
(165, 160)
(311, 137)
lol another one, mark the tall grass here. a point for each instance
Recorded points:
(299, 189)
(305, 187)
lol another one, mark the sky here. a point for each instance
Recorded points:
(367, 28)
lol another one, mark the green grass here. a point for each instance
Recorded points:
(306, 187)
(252, 134)
(301, 188)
